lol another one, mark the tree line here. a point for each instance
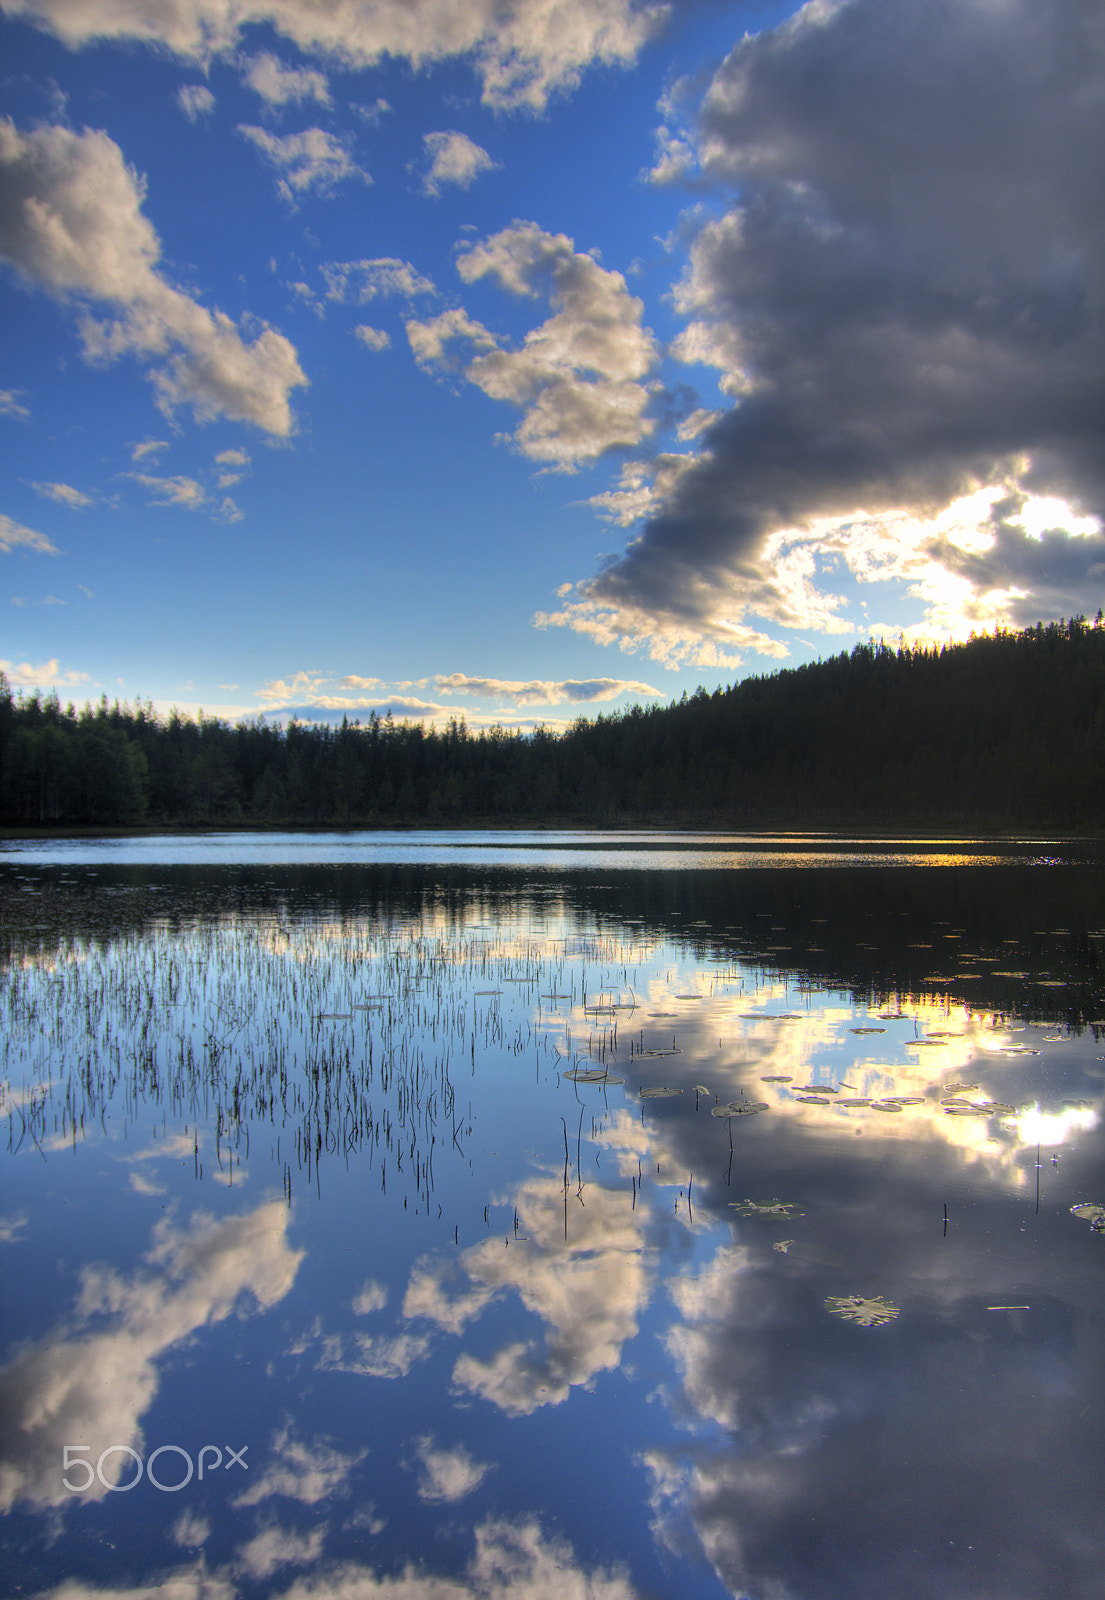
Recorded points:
(1003, 731)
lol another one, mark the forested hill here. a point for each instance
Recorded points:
(1006, 731)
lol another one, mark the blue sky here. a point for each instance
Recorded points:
(521, 359)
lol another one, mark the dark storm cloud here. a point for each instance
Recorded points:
(903, 292)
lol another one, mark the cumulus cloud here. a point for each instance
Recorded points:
(454, 159)
(300, 1471)
(233, 466)
(372, 338)
(541, 691)
(195, 100)
(448, 1475)
(93, 1387)
(64, 494)
(522, 51)
(179, 491)
(587, 1292)
(384, 276)
(579, 377)
(375, 1355)
(901, 295)
(312, 160)
(14, 535)
(22, 675)
(71, 223)
(274, 1548)
(512, 1560)
(148, 447)
(12, 406)
(279, 85)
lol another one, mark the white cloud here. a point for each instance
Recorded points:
(312, 160)
(233, 465)
(195, 100)
(148, 447)
(372, 338)
(94, 1387)
(373, 1297)
(543, 692)
(362, 281)
(709, 640)
(579, 377)
(448, 1475)
(278, 85)
(587, 1292)
(22, 675)
(375, 1355)
(274, 1548)
(11, 405)
(178, 491)
(71, 222)
(522, 50)
(454, 159)
(299, 1471)
(14, 535)
(643, 488)
(63, 494)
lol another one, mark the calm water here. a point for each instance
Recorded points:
(445, 1216)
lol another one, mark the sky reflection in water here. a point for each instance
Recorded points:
(294, 1167)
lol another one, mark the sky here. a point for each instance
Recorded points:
(518, 360)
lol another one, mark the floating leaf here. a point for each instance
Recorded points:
(868, 1313)
(1094, 1215)
(335, 1016)
(886, 1105)
(961, 1088)
(777, 1077)
(772, 1208)
(818, 1088)
(908, 1099)
(813, 1099)
(867, 1030)
(782, 1245)
(658, 1093)
(591, 1075)
(855, 1100)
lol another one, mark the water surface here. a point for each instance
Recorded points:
(499, 1214)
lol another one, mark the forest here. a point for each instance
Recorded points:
(1004, 731)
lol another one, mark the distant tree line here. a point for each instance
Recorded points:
(1004, 731)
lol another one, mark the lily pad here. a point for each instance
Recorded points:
(591, 1075)
(813, 1099)
(1094, 1215)
(740, 1108)
(772, 1208)
(777, 1077)
(659, 1093)
(866, 1030)
(855, 1100)
(869, 1313)
(886, 1105)
(782, 1245)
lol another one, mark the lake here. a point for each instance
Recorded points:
(595, 1215)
